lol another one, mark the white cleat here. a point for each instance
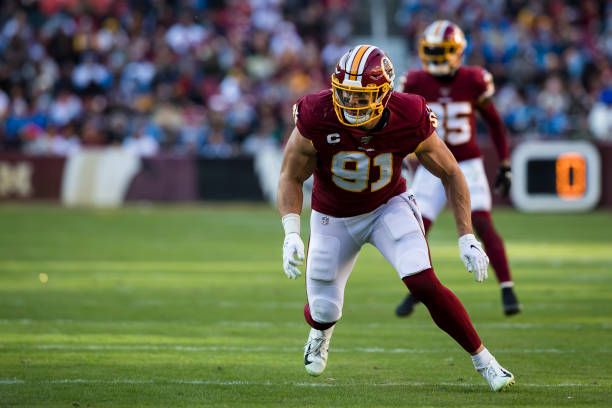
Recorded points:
(498, 377)
(315, 350)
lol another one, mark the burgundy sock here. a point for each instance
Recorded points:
(314, 324)
(493, 244)
(445, 309)
(427, 224)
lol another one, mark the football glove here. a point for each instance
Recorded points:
(473, 256)
(293, 255)
(503, 181)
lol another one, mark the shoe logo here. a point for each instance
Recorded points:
(306, 362)
(506, 373)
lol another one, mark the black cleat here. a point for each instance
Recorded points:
(510, 302)
(406, 307)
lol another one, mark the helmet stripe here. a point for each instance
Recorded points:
(364, 59)
(437, 30)
(350, 56)
(445, 24)
(356, 61)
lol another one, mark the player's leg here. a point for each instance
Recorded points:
(332, 252)
(399, 238)
(431, 198)
(480, 195)
(449, 315)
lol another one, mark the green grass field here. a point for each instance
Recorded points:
(189, 306)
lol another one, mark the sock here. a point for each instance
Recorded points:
(493, 244)
(482, 359)
(505, 285)
(427, 224)
(444, 307)
(314, 324)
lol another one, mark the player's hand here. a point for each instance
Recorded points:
(473, 256)
(503, 181)
(293, 255)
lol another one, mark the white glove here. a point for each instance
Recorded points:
(473, 256)
(293, 255)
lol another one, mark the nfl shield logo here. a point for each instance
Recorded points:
(324, 220)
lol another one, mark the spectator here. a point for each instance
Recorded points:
(65, 108)
(264, 137)
(185, 34)
(600, 117)
(91, 74)
(141, 143)
(217, 146)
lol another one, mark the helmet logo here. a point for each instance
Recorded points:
(388, 69)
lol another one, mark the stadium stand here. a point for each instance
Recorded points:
(218, 78)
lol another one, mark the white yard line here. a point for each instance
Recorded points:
(195, 348)
(263, 324)
(15, 381)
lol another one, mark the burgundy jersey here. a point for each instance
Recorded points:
(454, 102)
(357, 171)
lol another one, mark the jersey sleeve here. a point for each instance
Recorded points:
(302, 116)
(428, 123)
(497, 129)
(485, 88)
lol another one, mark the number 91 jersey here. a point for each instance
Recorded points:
(357, 171)
(453, 100)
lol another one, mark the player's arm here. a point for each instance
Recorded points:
(435, 157)
(299, 161)
(497, 131)
(489, 113)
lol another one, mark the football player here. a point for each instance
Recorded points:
(454, 92)
(354, 137)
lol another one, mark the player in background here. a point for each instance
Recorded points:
(454, 92)
(354, 138)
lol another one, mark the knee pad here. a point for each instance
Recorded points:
(324, 311)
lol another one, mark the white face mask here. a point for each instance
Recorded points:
(352, 119)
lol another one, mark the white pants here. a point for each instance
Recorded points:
(395, 229)
(429, 190)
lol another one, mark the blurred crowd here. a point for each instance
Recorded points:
(218, 78)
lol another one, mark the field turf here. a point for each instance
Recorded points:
(189, 306)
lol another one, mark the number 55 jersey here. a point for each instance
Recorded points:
(454, 100)
(357, 170)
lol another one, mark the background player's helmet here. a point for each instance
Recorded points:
(441, 48)
(362, 85)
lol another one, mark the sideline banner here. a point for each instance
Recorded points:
(98, 177)
(26, 177)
